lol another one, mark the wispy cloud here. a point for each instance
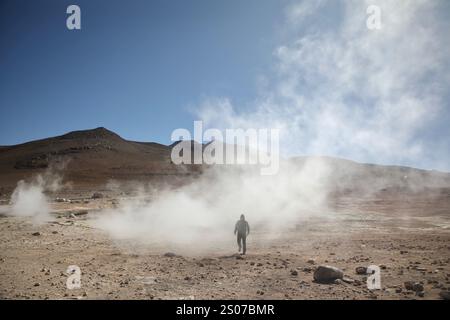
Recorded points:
(343, 90)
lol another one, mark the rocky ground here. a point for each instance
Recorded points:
(411, 250)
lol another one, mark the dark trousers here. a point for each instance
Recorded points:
(242, 242)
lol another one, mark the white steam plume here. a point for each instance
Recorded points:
(196, 215)
(376, 96)
(29, 199)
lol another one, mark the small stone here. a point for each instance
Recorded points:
(36, 234)
(418, 287)
(97, 195)
(170, 254)
(361, 270)
(294, 273)
(357, 282)
(348, 280)
(408, 285)
(413, 286)
(421, 269)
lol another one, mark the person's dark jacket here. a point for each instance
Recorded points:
(242, 227)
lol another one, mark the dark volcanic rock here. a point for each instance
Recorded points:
(413, 286)
(97, 195)
(170, 254)
(361, 270)
(327, 274)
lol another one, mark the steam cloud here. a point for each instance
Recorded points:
(29, 198)
(340, 90)
(201, 213)
(343, 90)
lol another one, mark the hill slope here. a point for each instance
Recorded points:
(89, 156)
(93, 157)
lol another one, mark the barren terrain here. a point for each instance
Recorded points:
(403, 230)
(413, 246)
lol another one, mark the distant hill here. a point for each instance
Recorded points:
(90, 157)
(346, 175)
(93, 157)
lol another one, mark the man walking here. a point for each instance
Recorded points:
(242, 229)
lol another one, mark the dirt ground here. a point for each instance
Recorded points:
(408, 237)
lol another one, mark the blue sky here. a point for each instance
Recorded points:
(310, 68)
(136, 67)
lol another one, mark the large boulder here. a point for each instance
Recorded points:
(327, 274)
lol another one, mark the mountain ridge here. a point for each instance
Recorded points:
(95, 156)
